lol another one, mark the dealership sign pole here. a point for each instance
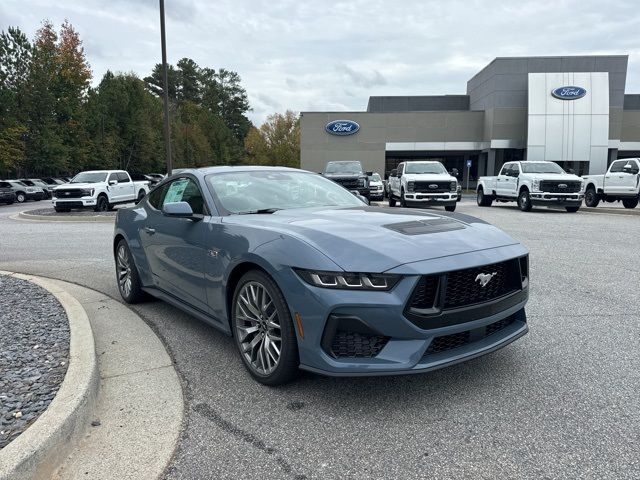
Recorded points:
(468, 173)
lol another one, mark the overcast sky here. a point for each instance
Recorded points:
(332, 55)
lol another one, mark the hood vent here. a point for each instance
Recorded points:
(423, 227)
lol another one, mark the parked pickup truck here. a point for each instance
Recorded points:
(98, 189)
(423, 183)
(350, 175)
(532, 183)
(621, 182)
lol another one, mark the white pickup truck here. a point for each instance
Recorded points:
(98, 189)
(532, 183)
(423, 183)
(621, 182)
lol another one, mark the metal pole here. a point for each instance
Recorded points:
(165, 88)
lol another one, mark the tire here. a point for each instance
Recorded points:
(450, 208)
(140, 196)
(572, 209)
(403, 202)
(61, 210)
(102, 205)
(591, 198)
(524, 201)
(272, 321)
(630, 202)
(392, 201)
(483, 200)
(127, 277)
(21, 197)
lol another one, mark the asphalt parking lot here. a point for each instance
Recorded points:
(563, 402)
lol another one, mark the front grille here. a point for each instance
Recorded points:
(464, 287)
(460, 339)
(68, 193)
(424, 295)
(348, 183)
(425, 187)
(357, 345)
(553, 186)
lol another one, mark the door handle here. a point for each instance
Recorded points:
(150, 230)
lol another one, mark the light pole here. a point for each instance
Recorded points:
(165, 88)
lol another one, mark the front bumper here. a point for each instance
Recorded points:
(555, 199)
(405, 347)
(376, 194)
(74, 202)
(439, 199)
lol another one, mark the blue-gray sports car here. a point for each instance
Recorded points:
(303, 274)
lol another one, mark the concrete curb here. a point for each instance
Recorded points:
(41, 449)
(64, 218)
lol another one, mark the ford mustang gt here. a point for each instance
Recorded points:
(302, 274)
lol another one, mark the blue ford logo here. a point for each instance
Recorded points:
(342, 127)
(569, 93)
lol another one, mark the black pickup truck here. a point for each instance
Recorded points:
(350, 175)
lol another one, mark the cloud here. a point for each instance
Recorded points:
(317, 56)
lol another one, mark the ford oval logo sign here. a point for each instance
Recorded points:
(342, 127)
(569, 93)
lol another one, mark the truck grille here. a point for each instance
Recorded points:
(348, 183)
(68, 193)
(559, 186)
(464, 288)
(428, 187)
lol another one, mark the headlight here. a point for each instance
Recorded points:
(410, 186)
(535, 185)
(454, 186)
(87, 192)
(361, 182)
(348, 281)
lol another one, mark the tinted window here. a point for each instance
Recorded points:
(113, 176)
(156, 196)
(185, 190)
(505, 169)
(5, 185)
(617, 167)
(123, 177)
(348, 168)
(431, 167)
(137, 177)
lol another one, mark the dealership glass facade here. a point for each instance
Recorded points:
(571, 110)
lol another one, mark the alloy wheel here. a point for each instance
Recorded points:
(258, 328)
(124, 271)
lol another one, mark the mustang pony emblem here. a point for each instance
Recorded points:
(485, 278)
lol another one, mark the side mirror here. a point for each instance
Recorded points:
(180, 210)
(572, 171)
(393, 173)
(113, 182)
(369, 174)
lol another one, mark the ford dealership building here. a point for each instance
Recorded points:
(571, 110)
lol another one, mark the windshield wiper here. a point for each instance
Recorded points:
(261, 210)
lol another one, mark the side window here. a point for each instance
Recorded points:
(185, 190)
(515, 169)
(156, 196)
(113, 176)
(616, 167)
(5, 185)
(506, 169)
(123, 177)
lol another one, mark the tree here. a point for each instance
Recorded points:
(276, 142)
(155, 82)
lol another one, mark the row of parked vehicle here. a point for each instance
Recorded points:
(64, 191)
(528, 183)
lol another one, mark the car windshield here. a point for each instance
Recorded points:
(349, 168)
(265, 191)
(89, 177)
(375, 177)
(541, 167)
(431, 167)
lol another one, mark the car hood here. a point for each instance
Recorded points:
(553, 176)
(373, 239)
(75, 185)
(427, 177)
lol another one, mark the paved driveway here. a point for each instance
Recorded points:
(563, 402)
